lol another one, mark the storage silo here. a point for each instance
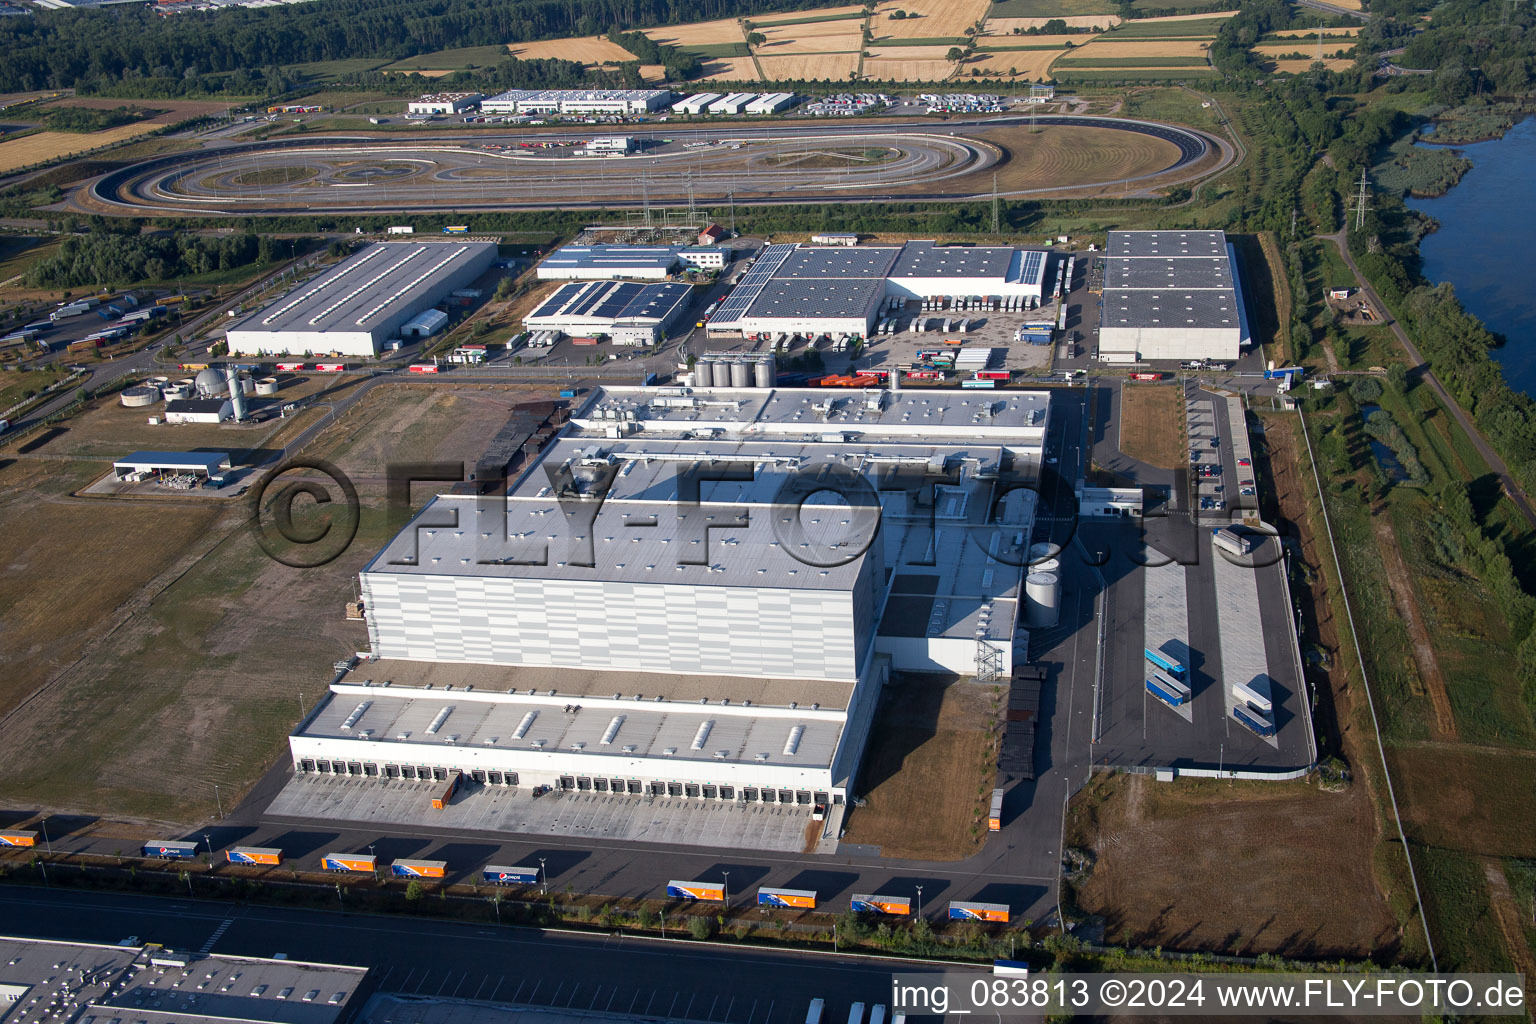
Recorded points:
(766, 371)
(722, 374)
(236, 394)
(140, 396)
(1042, 599)
(1040, 552)
(704, 373)
(1050, 565)
(266, 386)
(741, 375)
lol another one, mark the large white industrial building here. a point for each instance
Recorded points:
(839, 289)
(361, 303)
(576, 101)
(627, 312)
(628, 262)
(1171, 295)
(672, 601)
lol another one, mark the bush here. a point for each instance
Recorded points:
(415, 891)
(700, 928)
(1365, 390)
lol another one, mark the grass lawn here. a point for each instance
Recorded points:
(1177, 105)
(707, 50)
(1152, 424)
(457, 59)
(1131, 62)
(14, 384)
(1166, 29)
(1137, 74)
(330, 70)
(18, 253)
(1467, 934)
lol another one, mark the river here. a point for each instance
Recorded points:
(1487, 222)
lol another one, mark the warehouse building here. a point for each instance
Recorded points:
(628, 262)
(199, 410)
(839, 288)
(696, 103)
(731, 104)
(81, 983)
(1171, 295)
(142, 464)
(444, 103)
(626, 312)
(576, 101)
(357, 306)
(771, 103)
(734, 650)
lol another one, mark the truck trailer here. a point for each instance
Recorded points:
(18, 837)
(349, 862)
(995, 815)
(1260, 723)
(254, 855)
(713, 891)
(418, 868)
(442, 799)
(865, 903)
(801, 898)
(1171, 692)
(170, 850)
(978, 912)
(1229, 540)
(1170, 665)
(1255, 693)
(495, 874)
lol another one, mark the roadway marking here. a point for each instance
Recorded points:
(218, 933)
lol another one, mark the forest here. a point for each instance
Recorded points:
(119, 258)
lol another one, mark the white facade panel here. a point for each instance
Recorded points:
(1148, 343)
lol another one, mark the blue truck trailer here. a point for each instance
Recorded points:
(1260, 723)
(1172, 666)
(496, 874)
(1171, 692)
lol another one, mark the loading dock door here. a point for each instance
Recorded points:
(658, 789)
(601, 785)
(635, 787)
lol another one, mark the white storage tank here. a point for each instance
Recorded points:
(704, 373)
(140, 396)
(179, 390)
(722, 375)
(764, 372)
(1042, 599)
(266, 386)
(741, 375)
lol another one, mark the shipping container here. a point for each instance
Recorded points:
(253, 855)
(170, 850)
(697, 891)
(805, 898)
(1257, 721)
(976, 383)
(995, 816)
(349, 862)
(290, 367)
(330, 367)
(978, 912)
(1170, 665)
(1170, 692)
(870, 904)
(446, 796)
(992, 375)
(1146, 376)
(1255, 694)
(498, 875)
(18, 837)
(418, 868)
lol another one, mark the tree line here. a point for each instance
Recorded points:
(117, 259)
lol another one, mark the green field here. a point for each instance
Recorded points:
(721, 50)
(1011, 49)
(461, 59)
(1049, 8)
(805, 21)
(1131, 62)
(1201, 28)
(330, 70)
(1103, 74)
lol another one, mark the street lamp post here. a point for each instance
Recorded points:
(543, 878)
(218, 802)
(919, 903)
(725, 888)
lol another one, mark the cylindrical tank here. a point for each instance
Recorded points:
(248, 385)
(137, 397)
(1042, 599)
(704, 373)
(159, 382)
(1050, 565)
(1040, 552)
(722, 374)
(176, 391)
(741, 375)
(763, 373)
(266, 386)
(236, 394)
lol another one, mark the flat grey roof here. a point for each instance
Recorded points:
(483, 719)
(117, 982)
(924, 259)
(209, 461)
(360, 293)
(839, 261)
(1170, 308)
(1169, 272)
(791, 298)
(580, 683)
(1166, 243)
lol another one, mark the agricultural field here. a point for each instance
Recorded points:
(927, 19)
(1297, 67)
(461, 58)
(44, 146)
(741, 69)
(1275, 51)
(704, 33)
(1311, 33)
(1042, 10)
(1107, 51)
(1176, 27)
(999, 29)
(808, 17)
(586, 50)
(926, 739)
(1031, 64)
(810, 36)
(834, 66)
(909, 70)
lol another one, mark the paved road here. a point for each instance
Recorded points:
(679, 980)
(1497, 464)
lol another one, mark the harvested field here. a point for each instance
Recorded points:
(1311, 33)
(1477, 799)
(1171, 28)
(836, 66)
(585, 50)
(1152, 425)
(928, 19)
(1051, 42)
(1032, 64)
(790, 46)
(1297, 67)
(1056, 155)
(704, 33)
(807, 16)
(930, 736)
(1256, 848)
(45, 146)
(1104, 48)
(214, 643)
(170, 111)
(908, 70)
(653, 72)
(811, 34)
(1337, 48)
(1005, 26)
(741, 69)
